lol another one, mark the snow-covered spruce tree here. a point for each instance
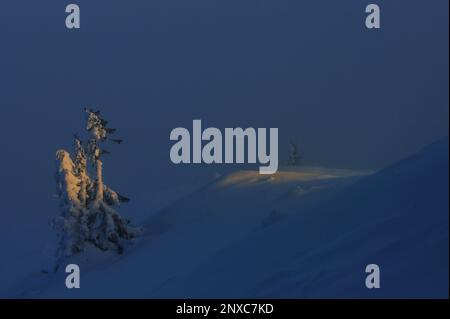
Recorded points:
(80, 171)
(108, 228)
(294, 157)
(67, 224)
(87, 214)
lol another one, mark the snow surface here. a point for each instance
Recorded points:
(301, 233)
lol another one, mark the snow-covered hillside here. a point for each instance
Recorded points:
(305, 232)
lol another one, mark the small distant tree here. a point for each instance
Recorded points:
(294, 158)
(87, 205)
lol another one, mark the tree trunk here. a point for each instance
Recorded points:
(99, 195)
(83, 197)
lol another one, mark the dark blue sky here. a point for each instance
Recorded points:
(351, 97)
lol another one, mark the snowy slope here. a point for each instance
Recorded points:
(299, 233)
(397, 219)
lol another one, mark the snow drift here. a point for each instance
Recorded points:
(302, 233)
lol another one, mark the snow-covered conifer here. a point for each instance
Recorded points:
(87, 215)
(110, 229)
(294, 157)
(67, 224)
(80, 170)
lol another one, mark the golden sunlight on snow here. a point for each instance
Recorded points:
(304, 174)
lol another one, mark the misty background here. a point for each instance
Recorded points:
(350, 97)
